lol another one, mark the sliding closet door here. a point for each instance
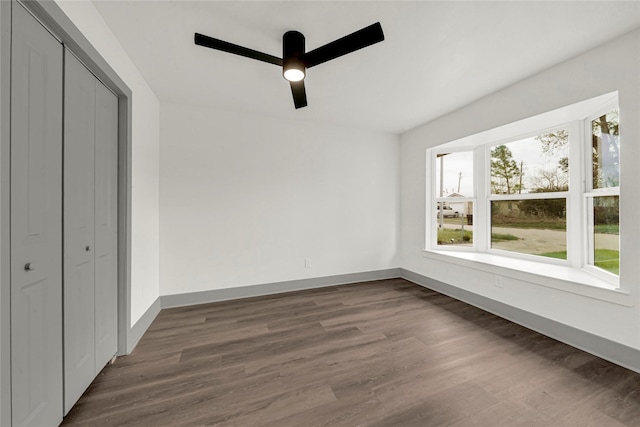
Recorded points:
(79, 295)
(106, 226)
(36, 241)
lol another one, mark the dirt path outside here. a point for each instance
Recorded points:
(531, 240)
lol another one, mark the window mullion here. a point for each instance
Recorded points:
(482, 213)
(575, 202)
(429, 237)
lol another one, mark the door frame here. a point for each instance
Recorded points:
(54, 19)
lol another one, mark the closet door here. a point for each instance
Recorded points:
(90, 228)
(106, 226)
(36, 241)
(78, 202)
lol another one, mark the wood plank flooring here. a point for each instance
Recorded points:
(385, 353)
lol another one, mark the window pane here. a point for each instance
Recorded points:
(606, 233)
(454, 174)
(605, 160)
(455, 223)
(533, 165)
(536, 227)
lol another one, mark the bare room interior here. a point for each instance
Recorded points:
(422, 227)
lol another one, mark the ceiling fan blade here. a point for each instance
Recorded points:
(299, 94)
(347, 44)
(217, 44)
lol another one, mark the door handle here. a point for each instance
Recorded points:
(29, 267)
(88, 248)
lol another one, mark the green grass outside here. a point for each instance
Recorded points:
(552, 225)
(500, 237)
(606, 259)
(451, 236)
(558, 254)
(606, 229)
(548, 225)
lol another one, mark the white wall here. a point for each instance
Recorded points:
(615, 66)
(145, 155)
(244, 200)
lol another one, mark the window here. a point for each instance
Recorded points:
(543, 189)
(529, 181)
(453, 206)
(603, 192)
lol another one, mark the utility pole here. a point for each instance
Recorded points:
(439, 205)
(520, 186)
(459, 179)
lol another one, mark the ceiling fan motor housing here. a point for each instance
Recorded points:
(292, 51)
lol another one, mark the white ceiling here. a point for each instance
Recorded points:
(437, 55)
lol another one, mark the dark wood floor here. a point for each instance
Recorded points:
(386, 353)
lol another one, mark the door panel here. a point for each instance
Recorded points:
(106, 226)
(78, 202)
(36, 241)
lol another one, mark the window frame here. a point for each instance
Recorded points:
(589, 194)
(579, 236)
(433, 204)
(569, 198)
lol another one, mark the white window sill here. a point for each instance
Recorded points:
(559, 277)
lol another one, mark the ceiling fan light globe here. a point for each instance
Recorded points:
(293, 74)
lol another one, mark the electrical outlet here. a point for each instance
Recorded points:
(307, 263)
(498, 282)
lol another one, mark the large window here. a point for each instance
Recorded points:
(550, 195)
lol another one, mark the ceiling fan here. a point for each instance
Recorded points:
(295, 60)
